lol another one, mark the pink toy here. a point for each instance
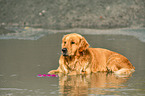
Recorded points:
(46, 75)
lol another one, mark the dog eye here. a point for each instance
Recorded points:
(64, 42)
(72, 42)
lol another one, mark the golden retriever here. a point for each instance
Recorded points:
(78, 58)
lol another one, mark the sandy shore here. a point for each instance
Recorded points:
(62, 14)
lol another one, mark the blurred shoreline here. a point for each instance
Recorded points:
(30, 33)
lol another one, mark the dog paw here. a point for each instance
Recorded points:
(73, 73)
(53, 72)
(124, 71)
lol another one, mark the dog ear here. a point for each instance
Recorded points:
(83, 45)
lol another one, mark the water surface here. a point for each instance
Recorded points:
(23, 56)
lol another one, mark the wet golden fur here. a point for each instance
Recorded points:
(81, 59)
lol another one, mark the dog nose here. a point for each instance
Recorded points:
(64, 50)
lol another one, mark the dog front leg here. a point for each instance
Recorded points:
(63, 66)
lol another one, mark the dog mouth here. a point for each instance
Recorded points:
(64, 54)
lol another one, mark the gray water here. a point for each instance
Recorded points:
(25, 53)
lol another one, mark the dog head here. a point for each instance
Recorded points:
(73, 44)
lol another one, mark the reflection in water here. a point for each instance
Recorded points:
(95, 83)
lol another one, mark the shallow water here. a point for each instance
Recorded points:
(22, 60)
